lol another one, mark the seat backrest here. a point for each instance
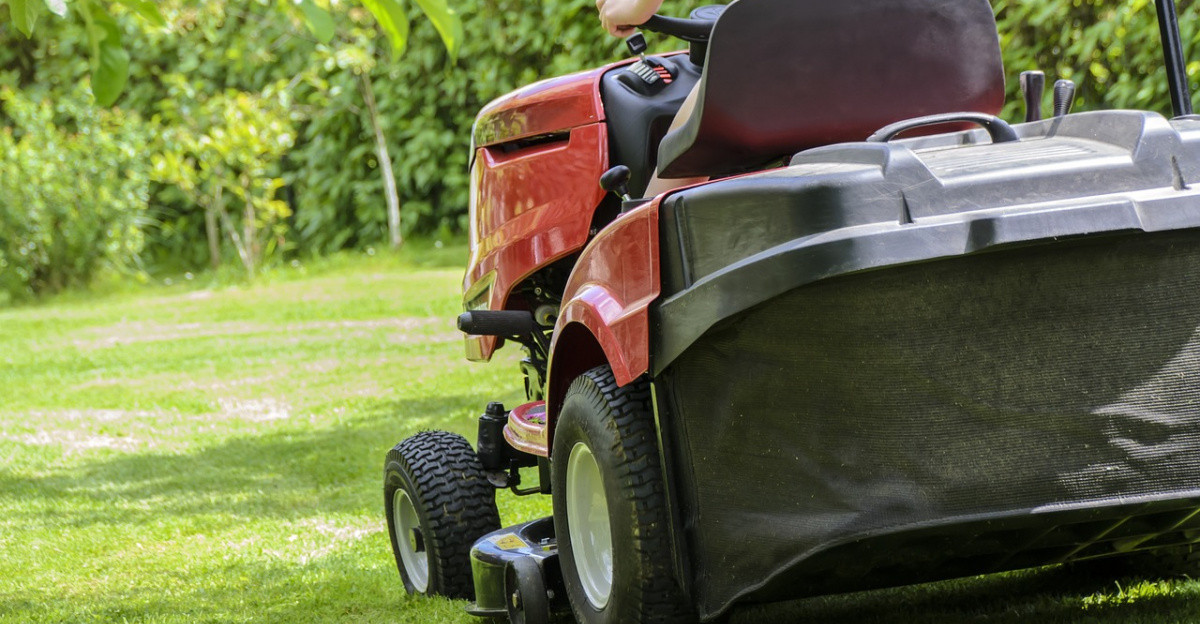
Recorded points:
(787, 75)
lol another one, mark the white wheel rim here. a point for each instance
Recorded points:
(411, 540)
(591, 533)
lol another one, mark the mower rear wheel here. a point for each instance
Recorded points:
(610, 507)
(438, 502)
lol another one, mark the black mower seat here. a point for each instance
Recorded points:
(786, 75)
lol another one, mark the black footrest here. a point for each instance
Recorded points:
(497, 323)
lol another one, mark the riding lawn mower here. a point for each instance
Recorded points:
(893, 339)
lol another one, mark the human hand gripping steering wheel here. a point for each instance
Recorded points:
(621, 17)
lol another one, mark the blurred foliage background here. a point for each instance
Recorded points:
(240, 139)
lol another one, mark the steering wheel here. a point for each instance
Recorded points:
(697, 28)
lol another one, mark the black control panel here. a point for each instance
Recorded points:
(647, 76)
(640, 99)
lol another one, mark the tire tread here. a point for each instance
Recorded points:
(458, 502)
(658, 598)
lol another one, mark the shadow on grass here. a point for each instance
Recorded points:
(1052, 595)
(285, 475)
(280, 473)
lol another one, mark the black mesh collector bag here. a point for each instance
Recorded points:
(1004, 409)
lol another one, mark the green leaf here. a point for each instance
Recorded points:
(24, 14)
(147, 10)
(446, 21)
(112, 61)
(57, 7)
(318, 20)
(391, 17)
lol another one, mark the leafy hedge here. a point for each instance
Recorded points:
(427, 102)
(73, 191)
(1110, 49)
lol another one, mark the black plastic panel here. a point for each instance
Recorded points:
(732, 244)
(492, 553)
(993, 411)
(637, 121)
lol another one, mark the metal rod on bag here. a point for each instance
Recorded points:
(1168, 25)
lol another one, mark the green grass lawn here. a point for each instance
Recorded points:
(192, 454)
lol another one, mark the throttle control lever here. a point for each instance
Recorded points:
(1064, 97)
(1033, 84)
(616, 180)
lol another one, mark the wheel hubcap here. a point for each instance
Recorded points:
(411, 541)
(591, 533)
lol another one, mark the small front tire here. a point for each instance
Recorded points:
(438, 502)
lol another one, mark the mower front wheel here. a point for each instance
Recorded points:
(610, 507)
(438, 502)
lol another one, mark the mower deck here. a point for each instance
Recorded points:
(492, 564)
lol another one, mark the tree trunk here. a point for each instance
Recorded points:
(385, 164)
(231, 229)
(250, 229)
(213, 232)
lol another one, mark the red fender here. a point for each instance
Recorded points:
(605, 313)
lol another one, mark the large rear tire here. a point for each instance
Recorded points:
(610, 506)
(438, 502)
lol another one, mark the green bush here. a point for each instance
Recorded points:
(73, 191)
(222, 152)
(1110, 49)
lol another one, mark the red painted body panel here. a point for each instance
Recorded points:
(532, 202)
(542, 108)
(545, 107)
(529, 208)
(609, 295)
(532, 205)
